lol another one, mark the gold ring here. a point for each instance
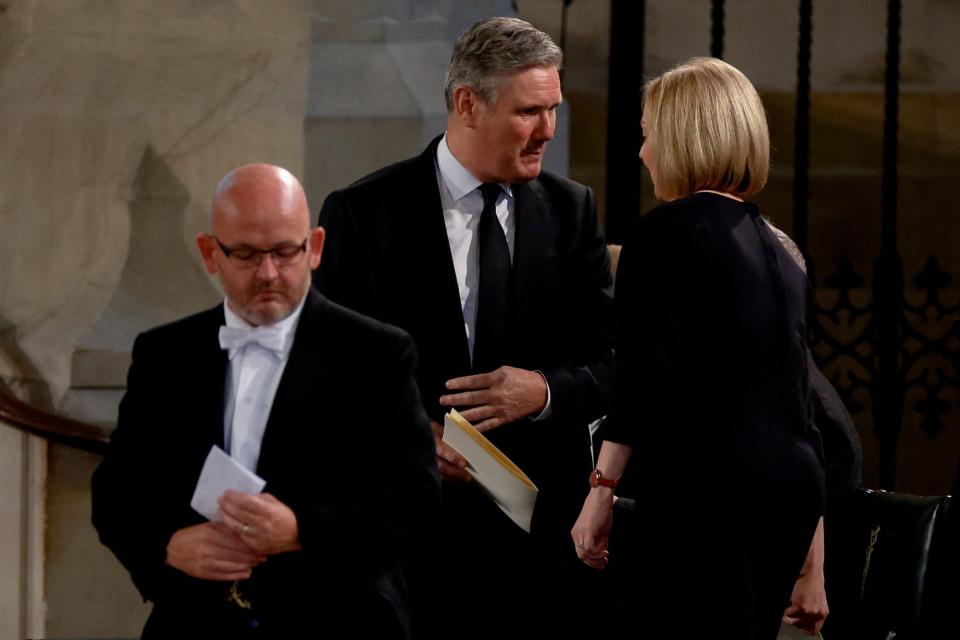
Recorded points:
(580, 545)
(244, 530)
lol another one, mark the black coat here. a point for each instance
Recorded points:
(387, 255)
(346, 446)
(712, 392)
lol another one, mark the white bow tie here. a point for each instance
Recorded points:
(233, 339)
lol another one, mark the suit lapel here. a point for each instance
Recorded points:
(533, 249)
(210, 371)
(307, 369)
(430, 250)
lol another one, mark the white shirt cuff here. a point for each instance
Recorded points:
(546, 413)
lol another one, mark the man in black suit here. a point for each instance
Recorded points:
(500, 273)
(319, 401)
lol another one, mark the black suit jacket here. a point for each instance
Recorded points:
(387, 255)
(347, 388)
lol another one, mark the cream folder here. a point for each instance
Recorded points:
(503, 481)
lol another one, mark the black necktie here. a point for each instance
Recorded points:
(488, 345)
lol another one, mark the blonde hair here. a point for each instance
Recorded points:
(708, 130)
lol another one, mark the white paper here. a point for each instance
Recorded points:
(221, 472)
(502, 480)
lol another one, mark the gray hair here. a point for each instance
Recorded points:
(494, 49)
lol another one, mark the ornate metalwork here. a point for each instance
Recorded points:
(716, 28)
(846, 338)
(801, 131)
(890, 344)
(931, 345)
(624, 107)
(843, 336)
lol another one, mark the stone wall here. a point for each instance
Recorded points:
(117, 119)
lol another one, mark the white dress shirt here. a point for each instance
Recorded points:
(462, 204)
(252, 380)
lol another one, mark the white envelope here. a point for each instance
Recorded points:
(221, 472)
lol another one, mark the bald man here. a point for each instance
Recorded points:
(289, 384)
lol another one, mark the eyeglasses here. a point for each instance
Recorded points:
(283, 255)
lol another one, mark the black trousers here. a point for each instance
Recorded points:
(481, 576)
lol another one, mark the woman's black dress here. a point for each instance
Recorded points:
(712, 393)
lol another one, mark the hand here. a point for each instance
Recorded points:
(453, 466)
(210, 551)
(808, 603)
(591, 533)
(499, 397)
(263, 523)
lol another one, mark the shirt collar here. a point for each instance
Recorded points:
(287, 326)
(458, 180)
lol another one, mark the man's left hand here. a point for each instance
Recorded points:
(263, 523)
(499, 397)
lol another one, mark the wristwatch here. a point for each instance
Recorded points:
(597, 480)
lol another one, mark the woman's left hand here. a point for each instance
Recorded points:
(808, 604)
(591, 533)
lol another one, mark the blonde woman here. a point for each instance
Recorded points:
(710, 403)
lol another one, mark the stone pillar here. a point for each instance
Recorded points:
(22, 477)
(376, 85)
(117, 119)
